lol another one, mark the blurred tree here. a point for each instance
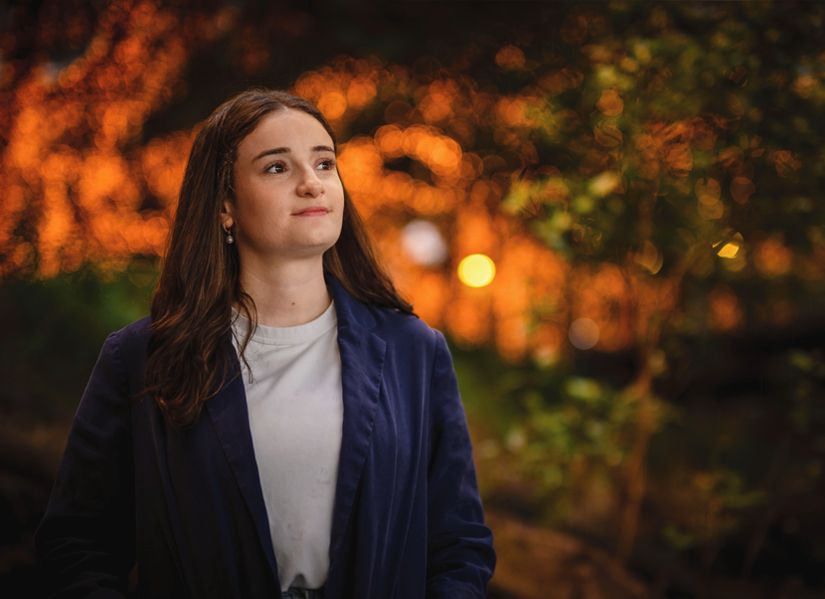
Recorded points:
(669, 164)
(643, 176)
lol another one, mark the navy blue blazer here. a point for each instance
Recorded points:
(186, 507)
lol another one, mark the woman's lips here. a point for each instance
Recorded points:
(313, 212)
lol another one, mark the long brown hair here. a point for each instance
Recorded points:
(199, 281)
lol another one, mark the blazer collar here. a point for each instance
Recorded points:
(362, 360)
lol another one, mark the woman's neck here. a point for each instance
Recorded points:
(288, 294)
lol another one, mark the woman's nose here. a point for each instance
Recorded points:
(310, 184)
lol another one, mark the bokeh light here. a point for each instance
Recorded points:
(476, 270)
(424, 243)
(583, 333)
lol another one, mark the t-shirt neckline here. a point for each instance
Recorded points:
(293, 335)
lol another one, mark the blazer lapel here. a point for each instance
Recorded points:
(362, 362)
(228, 413)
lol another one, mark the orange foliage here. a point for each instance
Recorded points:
(438, 103)
(725, 312)
(610, 103)
(467, 314)
(669, 147)
(602, 294)
(785, 162)
(511, 57)
(474, 232)
(741, 189)
(528, 276)
(429, 292)
(100, 196)
(66, 145)
(773, 258)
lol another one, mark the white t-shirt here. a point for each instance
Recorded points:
(296, 411)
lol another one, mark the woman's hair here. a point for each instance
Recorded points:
(199, 282)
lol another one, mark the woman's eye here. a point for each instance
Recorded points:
(330, 164)
(275, 165)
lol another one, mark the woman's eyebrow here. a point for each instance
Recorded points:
(283, 150)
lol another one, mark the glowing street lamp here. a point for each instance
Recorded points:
(476, 270)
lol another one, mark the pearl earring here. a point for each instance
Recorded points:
(229, 238)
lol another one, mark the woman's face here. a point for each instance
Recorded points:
(285, 166)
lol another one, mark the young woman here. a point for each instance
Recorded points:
(282, 424)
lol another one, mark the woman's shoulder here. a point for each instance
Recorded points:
(140, 328)
(407, 328)
(132, 338)
(390, 323)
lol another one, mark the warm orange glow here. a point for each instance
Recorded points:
(773, 258)
(360, 92)
(332, 104)
(725, 313)
(527, 296)
(583, 333)
(741, 189)
(708, 191)
(467, 316)
(390, 140)
(69, 139)
(77, 153)
(608, 135)
(610, 103)
(438, 103)
(785, 162)
(513, 112)
(729, 250)
(475, 231)
(510, 57)
(429, 293)
(163, 162)
(601, 294)
(649, 258)
(556, 82)
(666, 146)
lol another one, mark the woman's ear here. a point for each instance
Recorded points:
(227, 220)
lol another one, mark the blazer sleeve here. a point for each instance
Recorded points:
(460, 554)
(85, 541)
